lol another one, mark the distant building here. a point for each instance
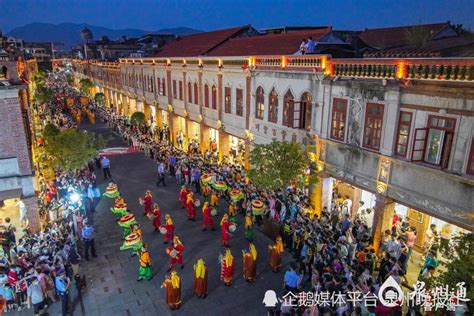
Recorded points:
(16, 169)
(106, 49)
(151, 44)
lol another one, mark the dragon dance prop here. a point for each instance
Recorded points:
(257, 207)
(132, 241)
(112, 191)
(119, 209)
(206, 178)
(236, 195)
(220, 185)
(127, 220)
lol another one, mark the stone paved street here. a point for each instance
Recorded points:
(112, 288)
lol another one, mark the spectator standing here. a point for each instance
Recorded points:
(88, 237)
(62, 288)
(35, 296)
(105, 165)
(303, 47)
(292, 280)
(310, 46)
(23, 211)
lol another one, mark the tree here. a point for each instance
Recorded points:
(70, 79)
(50, 130)
(459, 268)
(39, 77)
(43, 94)
(138, 118)
(72, 149)
(276, 165)
(99, 98)
(86, 85)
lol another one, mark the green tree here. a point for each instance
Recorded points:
(39, 77)
(70, 79)
(50, 130)
(99, 98)
(72, 149)
(42, 94)
(277, 164)
(459, 268)
(86, 85)
(138, 118)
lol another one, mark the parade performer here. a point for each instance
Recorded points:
(207, 221)
(200, 279)
(214, 200)
(225, 230)
(206, 191)
(111, 191)
(137, 231)
(232, 211)
(191, 207)
(250, 263)
(120, 207)
(227, 267)
(156, 217)
(168, 229)
(172, 286)
(183, 194)
(248, 227)
(145, 271)
(176, 253)
(126, 222)
(147, 203)
(276, 252)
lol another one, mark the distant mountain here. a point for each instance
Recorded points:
(69, 33)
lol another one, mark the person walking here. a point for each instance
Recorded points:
(23, 211)
(105, 165)
(87, 236)
(62, 283)
(35, 296)
(161, 174)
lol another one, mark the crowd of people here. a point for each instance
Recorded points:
(332, 252)
(39, 269)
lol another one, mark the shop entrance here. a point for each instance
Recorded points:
(236, 150)
(180, 133)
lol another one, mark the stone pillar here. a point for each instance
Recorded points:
(159, 116)
(147, 111)
(247, 155)
(316, 197)
(224, 147)
(356, 202)
(219, 97)
(174, 127)
(383, 214)
(205, 135)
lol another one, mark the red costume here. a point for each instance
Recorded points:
(227, 267)
(178, 253)
(225, 230)
(207, 217)
(191, 207)
(169, 226)
(157, 218)
(183, 194)
(147, 203)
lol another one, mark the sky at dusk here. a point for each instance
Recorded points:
(151, 15)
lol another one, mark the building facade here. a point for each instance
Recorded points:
(398, 133)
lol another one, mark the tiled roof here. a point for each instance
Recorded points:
(435, 48)
(200, 43)
(272, 44)
(396, 36)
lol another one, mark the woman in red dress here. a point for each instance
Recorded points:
(207, 221)
(176, 253)
(225, 230)
(156, 217)
(147, 203)
(169, 226)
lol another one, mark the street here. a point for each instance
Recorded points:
(112, 287)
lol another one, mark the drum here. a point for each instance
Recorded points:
(163, 230)
(141, 201)
(232, 227)
(173, 253)
(197, 202)
(214, 212)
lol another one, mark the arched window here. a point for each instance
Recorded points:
(196, 93)
(214, 97)
(306, 111)
(273, 106)
(190, 93)
(259, 103)
(206, 95)
(288, 105)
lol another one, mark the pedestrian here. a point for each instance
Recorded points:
(161, 174)
(35, 296)
(105, 165)
(62, 283)
(196, 176)
(23, 211)
(87, 236)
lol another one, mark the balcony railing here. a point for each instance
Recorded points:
(447, 69)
